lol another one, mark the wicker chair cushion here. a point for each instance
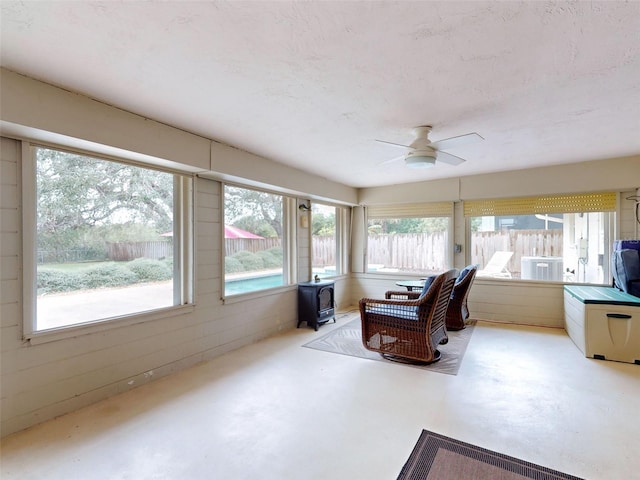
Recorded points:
(464, 273)
(401, 311)
(427, 283)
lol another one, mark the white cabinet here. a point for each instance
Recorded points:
(603, 322)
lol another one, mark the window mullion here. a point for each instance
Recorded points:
(289, 240)
(29, 228)
(183, 240)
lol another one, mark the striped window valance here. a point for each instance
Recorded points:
(411, 210)
(579, 203)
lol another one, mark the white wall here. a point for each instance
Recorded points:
(234, 165)
(36, 110)
(629, 224)
(614, 174)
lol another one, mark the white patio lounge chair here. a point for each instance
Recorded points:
(497, 266)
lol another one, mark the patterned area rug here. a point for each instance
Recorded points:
(347, 340)
(438, 457)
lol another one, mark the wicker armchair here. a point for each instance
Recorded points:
(408, 326)
(458, 312)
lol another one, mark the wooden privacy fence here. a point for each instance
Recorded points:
(405, 251)
(424, 251)
(323, 251)
(523, 243)
(409, 251)
(125, 251)
(235, 245)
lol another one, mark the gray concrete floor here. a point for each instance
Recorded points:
(274, 410)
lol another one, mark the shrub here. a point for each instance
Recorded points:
(269, 259)
(168, 261)
(276, 252)
(51, 280)
(109, 275)
(149, 270)
(249, 260)
(232, 265)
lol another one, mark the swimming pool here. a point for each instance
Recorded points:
(245, 285)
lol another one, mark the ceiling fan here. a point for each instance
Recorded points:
(423, 153)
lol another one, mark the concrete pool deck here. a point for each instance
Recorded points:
(62, 309)
(70, 308)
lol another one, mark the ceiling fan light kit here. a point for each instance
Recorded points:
(420, 160)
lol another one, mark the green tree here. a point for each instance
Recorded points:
(408, 225)
(255, 225)
(323, 224)
(253, 210)
(78, 194)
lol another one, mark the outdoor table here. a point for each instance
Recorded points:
(411, 284)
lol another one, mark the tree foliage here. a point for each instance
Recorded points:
(81, 199)
(323, 225)
(408, 225)
(252, 210)
(323, 220)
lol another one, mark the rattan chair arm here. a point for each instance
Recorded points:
(391, 294)
(394, 302)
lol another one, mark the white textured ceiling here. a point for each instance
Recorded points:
(313, 84)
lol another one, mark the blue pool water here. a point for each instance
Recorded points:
(245, 285)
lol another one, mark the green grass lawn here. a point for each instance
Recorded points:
(66, 277)
(73, 267)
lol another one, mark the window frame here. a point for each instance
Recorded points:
(183, 220)
(341, 221)
(289, 246)
(607, 203)
(444, 209)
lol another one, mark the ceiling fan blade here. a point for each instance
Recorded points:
(386, 162)
(459, 141)
(448, 158)
(393, 144)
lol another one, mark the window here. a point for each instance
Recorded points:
(561, 238)
(111, 239)
(254, 246)
(325, 234)
(409, 238)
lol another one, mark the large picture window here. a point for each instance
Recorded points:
(254, 250)
(564, 238)
(111, 239)
(325, 261)
(409, 238)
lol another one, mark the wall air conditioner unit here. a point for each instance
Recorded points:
(541, 268)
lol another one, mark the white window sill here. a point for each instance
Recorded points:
(62, 333)
(241, 297)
